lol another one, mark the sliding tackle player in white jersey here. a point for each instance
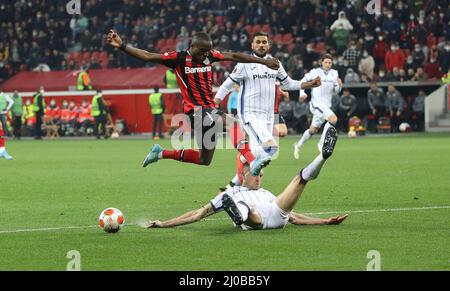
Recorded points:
(321, 101)
(252, 207)
(256, 99)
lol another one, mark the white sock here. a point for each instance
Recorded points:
(306, 136)
(259, 152)
(312, 171)
(2, 149)
(243, 160)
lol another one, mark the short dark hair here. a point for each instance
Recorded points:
(260, 33)
(326, 56)
(156, 88)
(200, 37)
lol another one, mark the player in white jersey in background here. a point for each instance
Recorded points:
(320, 103)
(256, 101)
(253, 207)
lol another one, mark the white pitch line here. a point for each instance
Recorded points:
(45, 229)
(215, 219)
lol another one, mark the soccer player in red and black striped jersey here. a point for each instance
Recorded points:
(193, 69)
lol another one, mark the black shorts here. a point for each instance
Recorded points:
(202, 122)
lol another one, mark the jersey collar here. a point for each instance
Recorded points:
(325, 71)
(267, 56)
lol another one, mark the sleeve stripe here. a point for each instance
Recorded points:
(281, 80)
(233, 80)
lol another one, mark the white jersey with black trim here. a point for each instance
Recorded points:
(240, 193)
(257, 87)
(321, 96)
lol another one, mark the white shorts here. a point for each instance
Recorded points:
(320, 114)
(258, 126)
(272, 215)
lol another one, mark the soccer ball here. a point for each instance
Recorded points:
(404, 127)
(352, 134)
(111, 220)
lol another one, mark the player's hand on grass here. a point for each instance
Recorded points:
(154, 224)
(114, 39)
(336, 219)
(273, 63)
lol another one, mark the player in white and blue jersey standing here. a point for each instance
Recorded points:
(320, 103)
(256, 99)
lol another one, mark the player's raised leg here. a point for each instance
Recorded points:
(289, 197)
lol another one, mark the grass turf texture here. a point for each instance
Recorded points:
(68, 183)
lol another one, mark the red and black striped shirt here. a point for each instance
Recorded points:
(194, 79)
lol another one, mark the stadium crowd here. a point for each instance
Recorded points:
(408, 41)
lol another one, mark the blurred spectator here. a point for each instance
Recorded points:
(301, 114)
(39, 110)
(310, 56)
(391, 27)
(17, 113)
(366, 65)
(418, 56)
(394, 76)
(352, 55)
(286, 109)
(411, 73)
(157, 106)
(377, 102)
(84, 80)
(347, 107)
(410, 63)
(394, 105)
(342, 23)
(418, 107)
(402, 76)
(335, 100)
(444, 58)
(431, 69)
(379, 51)
(420, 75)
(6, 103)
(53, 112)
(394, 58)
(85, 120)
(351, 77)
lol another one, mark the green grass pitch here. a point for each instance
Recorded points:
(53, 192)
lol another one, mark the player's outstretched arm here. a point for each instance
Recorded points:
(114, 40)
(272, 63)
(311, 84)
(187, 218)
(300, 219)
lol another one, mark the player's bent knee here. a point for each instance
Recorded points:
(333, 120)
